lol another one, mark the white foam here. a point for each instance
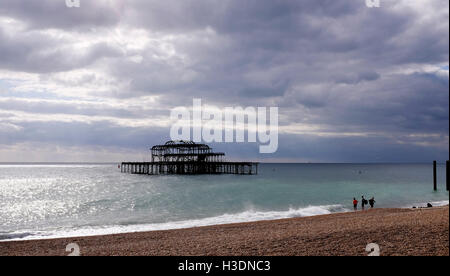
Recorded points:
(440, 203)
(246, 216)
(434, 203)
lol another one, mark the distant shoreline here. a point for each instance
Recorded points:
(396, 231)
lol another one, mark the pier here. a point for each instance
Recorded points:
(189, 158)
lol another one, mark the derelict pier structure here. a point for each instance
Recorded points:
(186, 157)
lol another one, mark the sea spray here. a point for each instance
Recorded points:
(247, 216)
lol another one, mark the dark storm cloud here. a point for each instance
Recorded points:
(260, 51)
(410, 103)
(311, 148)
(102, 133)
(229, 16)
(337, 66)
(357, 149)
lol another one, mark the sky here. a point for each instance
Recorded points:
(352, 83)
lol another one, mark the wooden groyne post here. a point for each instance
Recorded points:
(434, 175)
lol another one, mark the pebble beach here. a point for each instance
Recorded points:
(398, 232)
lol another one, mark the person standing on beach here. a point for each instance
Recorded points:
(355, 204)
(372, 202)
(363, 202)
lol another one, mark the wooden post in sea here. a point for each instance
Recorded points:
(446, 170)
(434, 175)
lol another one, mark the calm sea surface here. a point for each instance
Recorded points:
(62, 200)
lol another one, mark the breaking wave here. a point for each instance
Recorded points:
(246, 216)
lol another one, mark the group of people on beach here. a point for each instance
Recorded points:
(364, 202)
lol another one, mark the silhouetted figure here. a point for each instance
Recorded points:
(355, 204)
(429, 205)
(363, 202)
(372, 202)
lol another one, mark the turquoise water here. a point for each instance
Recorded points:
(61, 200)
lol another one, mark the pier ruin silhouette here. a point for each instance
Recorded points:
(186, 157)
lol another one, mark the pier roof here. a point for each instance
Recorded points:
(181, 144)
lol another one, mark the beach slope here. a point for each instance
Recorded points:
(396, 231)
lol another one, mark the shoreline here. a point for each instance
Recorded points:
(398, 232)
(180, 225)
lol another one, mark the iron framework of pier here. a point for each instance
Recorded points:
(186, 157)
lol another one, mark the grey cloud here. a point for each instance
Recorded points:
(36, 52)
(306, 42)
(232, 16)
(87, 109)
(359, 149)
(324, 63)
(44, 14)
(356, 78)
(308, 148)
(408, 103)
(101, 133)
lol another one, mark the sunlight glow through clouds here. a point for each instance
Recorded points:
(111, 71)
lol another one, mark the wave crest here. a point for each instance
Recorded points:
(246, 216)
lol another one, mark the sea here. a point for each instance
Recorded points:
(40, 201)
